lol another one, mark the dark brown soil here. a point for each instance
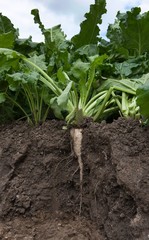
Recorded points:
(40, 182)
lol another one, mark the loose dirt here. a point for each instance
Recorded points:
(40, 182)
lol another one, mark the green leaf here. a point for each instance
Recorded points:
(79, 69)
(125, 68)
(96, 62)
(143, 99)
(7, 40)
(18, 78)
(54, 37)
(14, 80)
(35, 13)
(56, 108)
(89, 32)
(82, 91)
(59, 104)
(39, 61)
(88, 50)
(62, 76)
(130, 31)
(5, 25)
(2, 97)
(8, 33)
(125, 85)
(9, 59)
(63, 98)
(27, 46)
(144, 79)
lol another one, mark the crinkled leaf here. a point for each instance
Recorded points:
(35, 13)
(130, 31)
(89, 32)
(58, 59)
(18, 78)
(39, 61)
(54, 37)
(114, 33)
(125, 68)
(133, 67)
(79, 69)
(14, 80)
(9, 59)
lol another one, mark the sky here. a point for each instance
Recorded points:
(68, 13)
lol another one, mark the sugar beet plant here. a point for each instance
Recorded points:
(86, 76)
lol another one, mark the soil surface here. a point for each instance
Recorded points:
(40, 190)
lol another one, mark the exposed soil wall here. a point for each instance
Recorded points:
(40, 182)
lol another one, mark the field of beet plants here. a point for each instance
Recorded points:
(74, 135)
